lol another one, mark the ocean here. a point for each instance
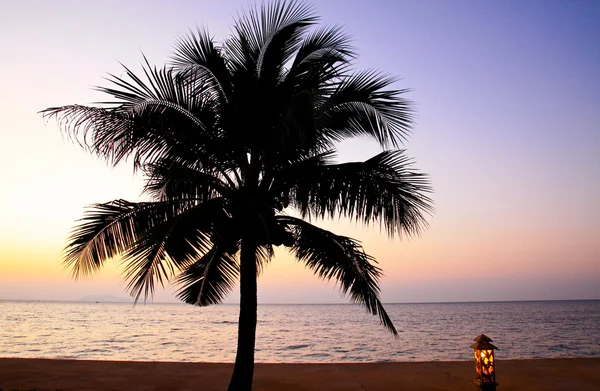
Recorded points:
(297, 333)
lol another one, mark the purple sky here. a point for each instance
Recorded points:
(508, 100)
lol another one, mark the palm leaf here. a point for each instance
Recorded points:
(154, 238)
(320, 65)
(197, 52)
(362, 106)
(276, 24)
(383, 189)
(107, 230)
(149, 120)
(324, 46)
(208, 279)
(168, 179)
(340, 258)
(163, 249)
(283, 30)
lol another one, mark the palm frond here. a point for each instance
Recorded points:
(208, 279)
(281, 179)
(107, 230)
(165, 248)
(162, 91)
(168, 179)
(148, 120)
(275, 27)
(324, 46)
(78, 124)
(283, 30)
(320, 61)
(197, 52)
(362, 106)
(147, 261)
(264, 254)
(383, 189)
(340, 258)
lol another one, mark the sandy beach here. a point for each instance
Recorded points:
(513, 375)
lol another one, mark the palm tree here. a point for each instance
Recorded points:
(231, 136)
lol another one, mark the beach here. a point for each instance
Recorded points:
(579, 374)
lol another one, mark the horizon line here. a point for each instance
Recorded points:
(273, 303)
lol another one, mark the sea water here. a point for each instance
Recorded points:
(297, 333)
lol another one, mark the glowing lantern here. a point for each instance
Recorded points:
(485, 363)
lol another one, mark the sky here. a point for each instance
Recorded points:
(508, 128)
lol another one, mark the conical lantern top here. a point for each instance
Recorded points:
(482, 338)
(482, 342)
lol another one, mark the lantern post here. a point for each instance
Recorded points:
(485, 363)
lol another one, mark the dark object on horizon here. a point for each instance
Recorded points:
(485, 363)
(229, 137)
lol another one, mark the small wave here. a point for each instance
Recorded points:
(296, 347)
(113, 340)
(94, 350)
(323, 355)
(339, 350)
(561, 347)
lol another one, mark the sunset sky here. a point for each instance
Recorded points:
(508, 128)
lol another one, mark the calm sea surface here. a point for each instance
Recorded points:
(297, 333)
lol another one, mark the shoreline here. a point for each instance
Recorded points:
(555, 374)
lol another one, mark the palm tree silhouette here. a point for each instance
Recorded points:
(231, 136)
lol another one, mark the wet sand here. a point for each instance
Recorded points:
(513, 375)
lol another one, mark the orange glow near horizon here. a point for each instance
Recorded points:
(434, 258)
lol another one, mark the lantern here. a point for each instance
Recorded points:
(485, 363)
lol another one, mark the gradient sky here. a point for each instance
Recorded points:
(508, 100)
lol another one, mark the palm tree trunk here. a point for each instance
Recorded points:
(243, 371)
